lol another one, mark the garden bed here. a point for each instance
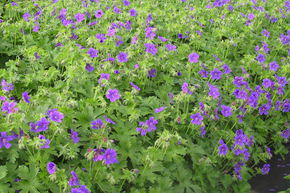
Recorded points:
(142, 95)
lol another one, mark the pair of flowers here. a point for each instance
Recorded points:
(43, 123)
(197, 117)
(109, 156)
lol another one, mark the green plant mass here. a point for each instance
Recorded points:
(142, 96)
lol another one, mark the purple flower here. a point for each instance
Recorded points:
(170, 97)
(9, 107)
(152, 73)
(237, 169)
(216, 74)
(117, 10)
(216, 110)
(226, 111)
(4, 140)
(261, 58)
(51, 167)
(39, 126)
(14, 3)
(240, 138)
(97, 124)
(151, 124)
(180, 36)
(93, 52)
(149, 18)
(150, 48)
(203, 73)
(45, 142)
(26, 16)
(230, 8)
(185, 88)
(202, 132)
(265, 33)
(99, 13)
(36, 27)
(253, 99)
(7, 87)
(134, 40)
(109, 120)
(119, 42)
(89, 67)
(122, 57)
(240, 94)
(196, 119)
(239, 81)
(149, 33)
(74, 181)
(264, 109)
(284, 39)
(26, 97)
(92, 23)
(274, 66)
(246, 154)
(287, 5)
(59, 45)
(79, 17)
(285, 134)
(81, 189)
(135, 86)
(281, 80)
(55, 116)
(278, 105)
(141, 130)
(193, 57)
(265, 47)
(171, 47)
(280, 90)
(226, 69)
(101, 37)
(251, 16)
(133, 12)
(249, 141)
(98, 155)
(267, 83)
(223, 148)
(266, 168)
(113, 95)
(36, 55)
(162, 39)
(160, 109)
(104, 76)
(2, 98)
(213, 91)
(144, 128)
(126, 2)
(286, 106)
(110, 156)
(74, 136)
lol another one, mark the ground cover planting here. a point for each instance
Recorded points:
(142, 96)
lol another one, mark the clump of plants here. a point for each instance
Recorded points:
(142, 96)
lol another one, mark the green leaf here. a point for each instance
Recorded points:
(3, 171)
(287, 177)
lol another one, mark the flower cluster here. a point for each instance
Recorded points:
(147, 126)
(241, 140)
(108, 156)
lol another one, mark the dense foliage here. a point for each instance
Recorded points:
(142, 95)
